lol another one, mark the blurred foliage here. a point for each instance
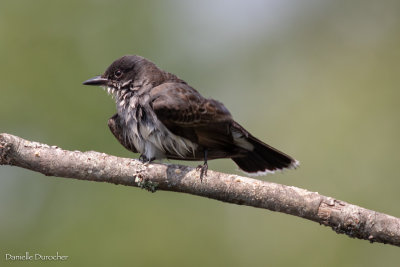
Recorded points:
(317, 79)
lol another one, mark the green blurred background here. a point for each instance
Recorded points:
(316, 79)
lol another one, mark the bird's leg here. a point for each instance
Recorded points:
(203, 168)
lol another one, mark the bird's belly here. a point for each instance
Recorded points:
(153, 140)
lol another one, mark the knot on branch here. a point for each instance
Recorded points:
(352, 223)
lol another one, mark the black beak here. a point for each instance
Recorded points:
(98, 80)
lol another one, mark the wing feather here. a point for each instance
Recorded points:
(178, 104)
(188, 114)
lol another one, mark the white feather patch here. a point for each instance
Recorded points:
(294, 165)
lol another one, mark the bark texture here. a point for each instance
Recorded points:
(342, 217)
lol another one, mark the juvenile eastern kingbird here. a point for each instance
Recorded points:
(161, 116)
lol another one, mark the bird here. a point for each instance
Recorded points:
(161, 116)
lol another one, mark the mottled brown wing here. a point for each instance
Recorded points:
(186, 113)
(180, 104)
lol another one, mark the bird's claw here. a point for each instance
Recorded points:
(145, 160)
(203, 170)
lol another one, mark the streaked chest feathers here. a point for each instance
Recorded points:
(145, 131)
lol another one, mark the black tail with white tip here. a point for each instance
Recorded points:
(264, 159)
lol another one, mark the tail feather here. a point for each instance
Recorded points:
(263, 159)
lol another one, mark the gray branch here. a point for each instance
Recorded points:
(342, 217)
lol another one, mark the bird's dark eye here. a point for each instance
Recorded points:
(118, 74)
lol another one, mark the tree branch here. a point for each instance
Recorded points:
(342, 217)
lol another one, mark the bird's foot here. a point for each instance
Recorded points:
(145, 160)
(203, 170)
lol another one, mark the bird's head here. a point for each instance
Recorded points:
(123, 75)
